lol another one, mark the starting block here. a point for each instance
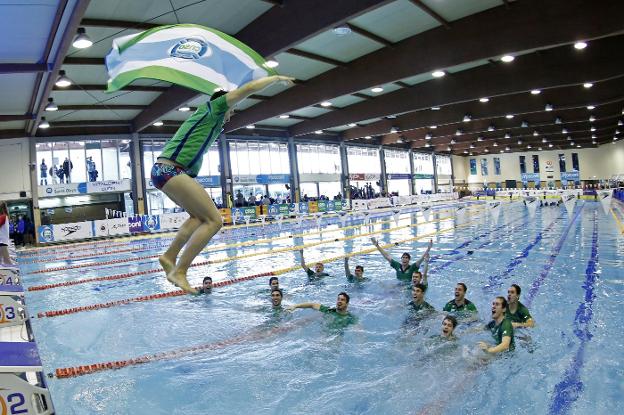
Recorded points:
(9, 276)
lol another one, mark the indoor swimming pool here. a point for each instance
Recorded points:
(230, 352)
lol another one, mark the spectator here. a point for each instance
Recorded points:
(91, 169)
(20, 230)
(44, 173)
(240, 199)
(68, 166)
(251, 200)
(60, 173)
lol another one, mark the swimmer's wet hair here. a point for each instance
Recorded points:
(407, 255)
(345, 296)
(272, 279)
(452, 319)
(422, 287)
(217, 95)
(279, 290)
(463, 285)
(517, 287)
(504, 300)
(359, 267)
(207, 279)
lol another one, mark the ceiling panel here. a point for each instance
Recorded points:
(102, 38)
(93, 97)
(12, 125)
(177, 116)
(18, 87)
(310, 112)
(456, 9)
(387, 88)
(300, 67)
(278, 122)
(115, 115)
(397, 21)
(227, 16)
(341, 48)
(96, 74)
(345, 100)
(134, 11)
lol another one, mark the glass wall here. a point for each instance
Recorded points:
(319, 170)
(522, 164)
(536, 168)
(497, 166)
(364, 170)
(562, 163)
(444, 171)
(575, 161)
(423, 172)
(398, 165)
(473, 167)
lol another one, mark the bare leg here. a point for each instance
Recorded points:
(168, 259)
(4, 256)
(193, 198)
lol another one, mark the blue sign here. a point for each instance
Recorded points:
(572, 176)
(272, 178)
(209, 181)
(530, 177)
(135, 224)
(45, 233)
(397, 176)
(150, 223)
(303, 207)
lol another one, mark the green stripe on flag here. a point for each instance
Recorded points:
(162, 73)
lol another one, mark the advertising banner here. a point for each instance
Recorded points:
(118, 226)
(173, 220)
(398, 176)
(46, 233)
(135, 224)
(71, 231)
(364, 176)
(209, 181)
(62, 189)
(106, 186)
(150, 223)
(530, 177)
(570, 176)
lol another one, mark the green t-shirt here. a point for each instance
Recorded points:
(353, 278)
(404, 275)
(313, 274)
(502, 330)
(196, 135)
(468, 306)
(521, 315)
(425, 306)
(339, 320)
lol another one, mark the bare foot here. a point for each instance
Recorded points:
(166, 263)
(179, 280)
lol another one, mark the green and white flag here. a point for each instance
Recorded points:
(189, 55)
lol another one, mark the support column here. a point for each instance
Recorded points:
(138, 176)
(383, 180)
(34, 184)
(412, 183)
(295, 190)
(344, 179)
(226, 168)
(435, 172)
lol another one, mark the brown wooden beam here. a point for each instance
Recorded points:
(83, 61)
(6, 134)
(369, 35)
(471, 40)
(431, 13)
(100, 107)
(122, 24)
(315, 57)
(6, 68)
(102, 87)
(20, 117)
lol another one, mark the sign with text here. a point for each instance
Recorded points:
(135, 224)
(262, 179)
(530, 177)
(173, 220)
(109, 186)
(209, 181)
(67, 189)
(46, 233)
(364, 176)
(570, 176)
(71, 231)
(150, 223)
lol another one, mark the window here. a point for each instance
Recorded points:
(522, 164)
(473, 167)
(575, 162)
(443, 165)
(562, 161)
(484, 167)
(250, 158)
(535, 163)
(397, 161)
(318, 159)
(423, 163)
(363, 160)
(497, 169)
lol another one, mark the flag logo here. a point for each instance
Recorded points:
(191, 48)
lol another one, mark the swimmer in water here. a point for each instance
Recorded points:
(421, 277)
(206, 287)
(359, 272)
(318, 268)
(342, 317)
(516, 311)
(274, 283)
(404, 270)
(178, 164)
(501, 329)
(460, 304)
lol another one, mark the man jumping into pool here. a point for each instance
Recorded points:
(180, 162)
(404, 270)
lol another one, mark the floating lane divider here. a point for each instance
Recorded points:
(568, 390)
(56, 313)
(551, 259)
(618, 221)
(209, 249)
(221, 260)
(255, 335)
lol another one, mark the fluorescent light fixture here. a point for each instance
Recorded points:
(326, 104)
(438, 74)
(539, 148)
(572, 143)
(158, 123)
(394, 129)
(438, 109)
(519, 142)
(535, 133)
(44, 123)
(63, 81)
(592, 129)
(250, 127)
(564, 131)
(592, 118)
(486, 150)
(82, 41)
(472, 145)
(591, 107)
(480, 138)
(467, 118)
(509, 116)
(550, 145)
(51, 105)
(465, 151)
(507, 148)
(580, 45)
(587, 85)
(507, 135)
(459, 132)
(284, 116)
(427, 145)
(318, 132)
(529, 146)
(620, 123)
(342, 30)
(433, 127)
(352, 125)
(536, 91)
(184, 109)
(448, 148)
(491, 127)
(548, 107)
(272, 64)
(544, 140)
(593, 136)
(495, 144)
(400, 141)
(368, 137)
(428, 136)
(507, 58)
(377, 89)
(484, 99)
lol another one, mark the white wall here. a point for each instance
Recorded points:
(594, 163)
(14, 170)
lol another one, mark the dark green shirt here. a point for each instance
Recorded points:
(353, 278)
(452, 307)
(521, 315)
(313, 274)
(400, 273)
(425, 306)
(339, 320)
(196, 135)
(502, 330)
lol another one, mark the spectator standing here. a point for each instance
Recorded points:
(44, 173)
(68, 166)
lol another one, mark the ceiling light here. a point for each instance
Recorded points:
(617, 132)
(592, 118)
(548, 107)
(544, 140)
(433, 127)
(578, 146)
(507, 135)
(536, 91)
(486, 150)
(535, 133)
(495, 144)
(507, 148)
(82, 41)
(427, 145)
(250, 127)
(326, 104)
(377, 89)
(272, 64)
(318, 132)
(284, 116)
(491, 127)
(63, 81)
(438, 74)
(342, 30)
(394, 129)
(550, 145)
(620, 123)
(614, 138)
(564, 131)
(428, 136)
(459, 132)
(480, 138)
(184, 109)
(580, 45)
(524, 124)
(593, 142)
(467, 118)
(593, 136)
(591, 107)
(502, 151)
(569, 138)
(368, 137)
(350, 124)
(529, 146)
(519, 142)
(539, 148)
(158, 124)
(587, 85)
(400, 141)
(438, 109)
(558, 120)
(51, 105)
(572, 143)
(465, 151)
(592, 129)
(44, 124)
(472, 145)
(453, 141)
(471, 153)
(507, 58)
(509, 116)
(448, 148)
(391, 117)
(484, 99)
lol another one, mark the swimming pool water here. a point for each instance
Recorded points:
(570, 270)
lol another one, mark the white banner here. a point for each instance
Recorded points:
(100, 227)
(426, 211)
(173, 220)
(569, 200)
(531, 204)
(71, 231)
(495, 208)
(605, 197)
(62, 189)
(109, 186)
